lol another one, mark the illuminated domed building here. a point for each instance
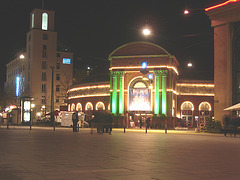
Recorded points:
(144, 83)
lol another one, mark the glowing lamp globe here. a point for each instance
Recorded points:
(146, 32)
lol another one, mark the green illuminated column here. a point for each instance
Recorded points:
(164, 92)
(121, 92)
(114, 92)
(111, 79)
(156, 102)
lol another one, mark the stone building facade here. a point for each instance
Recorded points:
(136, 92)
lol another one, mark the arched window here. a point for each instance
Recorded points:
(44, 21)
(32, 20)
(73, 107)
(100, 106)
(205, 106)
(79, 107)
(109, 107)
(187, 105)
(139, 85)
(89, 106)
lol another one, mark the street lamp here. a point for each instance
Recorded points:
(21, 56)
(188, 11)
(189, 64)
(146, 31)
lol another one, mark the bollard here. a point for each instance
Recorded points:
(165, 128)
(30, 124)
(54, 125)
(78, 128)
(7, 124)
(146, 129)
(124, 128)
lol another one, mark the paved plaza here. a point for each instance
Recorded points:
(46, 154)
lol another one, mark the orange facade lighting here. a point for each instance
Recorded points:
(219, 5)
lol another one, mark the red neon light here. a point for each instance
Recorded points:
(222, 4)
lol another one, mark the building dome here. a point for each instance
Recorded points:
(139, 48)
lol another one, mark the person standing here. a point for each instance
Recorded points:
(148, 122)
(75, 121)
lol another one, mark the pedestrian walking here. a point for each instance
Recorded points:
(75, 121)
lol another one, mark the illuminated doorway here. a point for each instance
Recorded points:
(139, 102)
(187, 114)
(204, 113)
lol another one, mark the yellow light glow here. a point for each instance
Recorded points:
(197, 84)
(88, 87)
(88, 95)
(219, 5)
(140, 67)
(196, 94)
(39, 113)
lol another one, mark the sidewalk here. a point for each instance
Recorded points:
(119, 130)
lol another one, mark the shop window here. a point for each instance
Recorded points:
(89, 106)
(79, 107)
(100, 106)
(73, 107)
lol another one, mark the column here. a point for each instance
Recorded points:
(114, 93)
(156, 87)
(111, 89)
(164, 92)
(121, 92)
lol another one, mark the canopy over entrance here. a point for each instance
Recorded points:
(234, 107)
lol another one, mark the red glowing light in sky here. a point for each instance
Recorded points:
(222, 4)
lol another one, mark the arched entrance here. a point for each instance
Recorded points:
(139, 102)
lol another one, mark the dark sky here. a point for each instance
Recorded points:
(94, 28)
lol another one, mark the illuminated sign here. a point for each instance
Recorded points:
(17, 85)
(26, 106)
(26, 111)
(66, 61)
(140, 99)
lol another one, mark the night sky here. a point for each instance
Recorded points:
(94, 28)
